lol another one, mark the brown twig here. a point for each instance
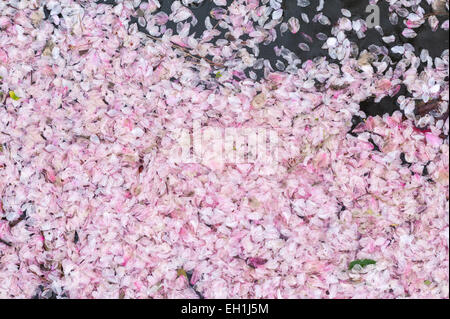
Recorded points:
(423, 108)
(5, 242)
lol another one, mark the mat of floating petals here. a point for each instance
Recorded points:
(224, 149)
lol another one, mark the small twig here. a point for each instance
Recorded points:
(5, 242)
(13, 223)
(216, 25)
(81, 25)
(423, 108)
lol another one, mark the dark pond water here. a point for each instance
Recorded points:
(434, 42)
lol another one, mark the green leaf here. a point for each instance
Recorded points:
(218, 75)
(362, 262)
(181, 272)
(13, 96)
(427, 282)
